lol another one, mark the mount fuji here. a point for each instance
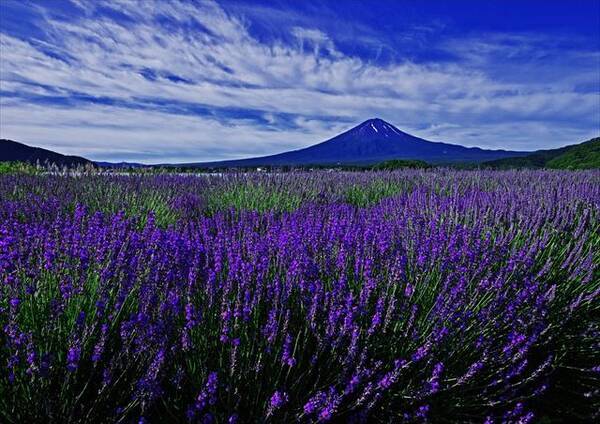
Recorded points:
(371, 142)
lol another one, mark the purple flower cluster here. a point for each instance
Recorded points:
(397, 296)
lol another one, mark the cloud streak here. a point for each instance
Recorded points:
(167, 81)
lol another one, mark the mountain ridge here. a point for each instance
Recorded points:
(18, 152)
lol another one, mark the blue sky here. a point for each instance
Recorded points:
(170, 81)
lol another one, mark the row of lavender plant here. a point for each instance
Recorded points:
(173, 197)
(398, 297)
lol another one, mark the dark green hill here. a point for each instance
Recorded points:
(585, 155)
(400, 164)
(582, 156)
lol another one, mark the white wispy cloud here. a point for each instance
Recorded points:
(133, 77)
(151, 136)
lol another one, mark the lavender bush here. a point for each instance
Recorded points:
(411, 296)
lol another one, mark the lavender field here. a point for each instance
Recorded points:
(405, 296)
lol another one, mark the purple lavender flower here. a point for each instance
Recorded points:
(314, 403)
(278, 399)
(80, 319)
(286, 355)
(434, 383)
(422, 412)
(208, 395)
(73, 357)
(471, 275)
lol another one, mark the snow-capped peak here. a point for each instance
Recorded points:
(377, 127)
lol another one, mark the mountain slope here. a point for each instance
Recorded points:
(371, 142)
(581, 156)
(13, 151)
(585, 155)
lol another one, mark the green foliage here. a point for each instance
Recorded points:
(582, 156)
(18, 168)
(140, 204)
(400, 164)
(253, 197)
(365, 195)
(585, 155)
